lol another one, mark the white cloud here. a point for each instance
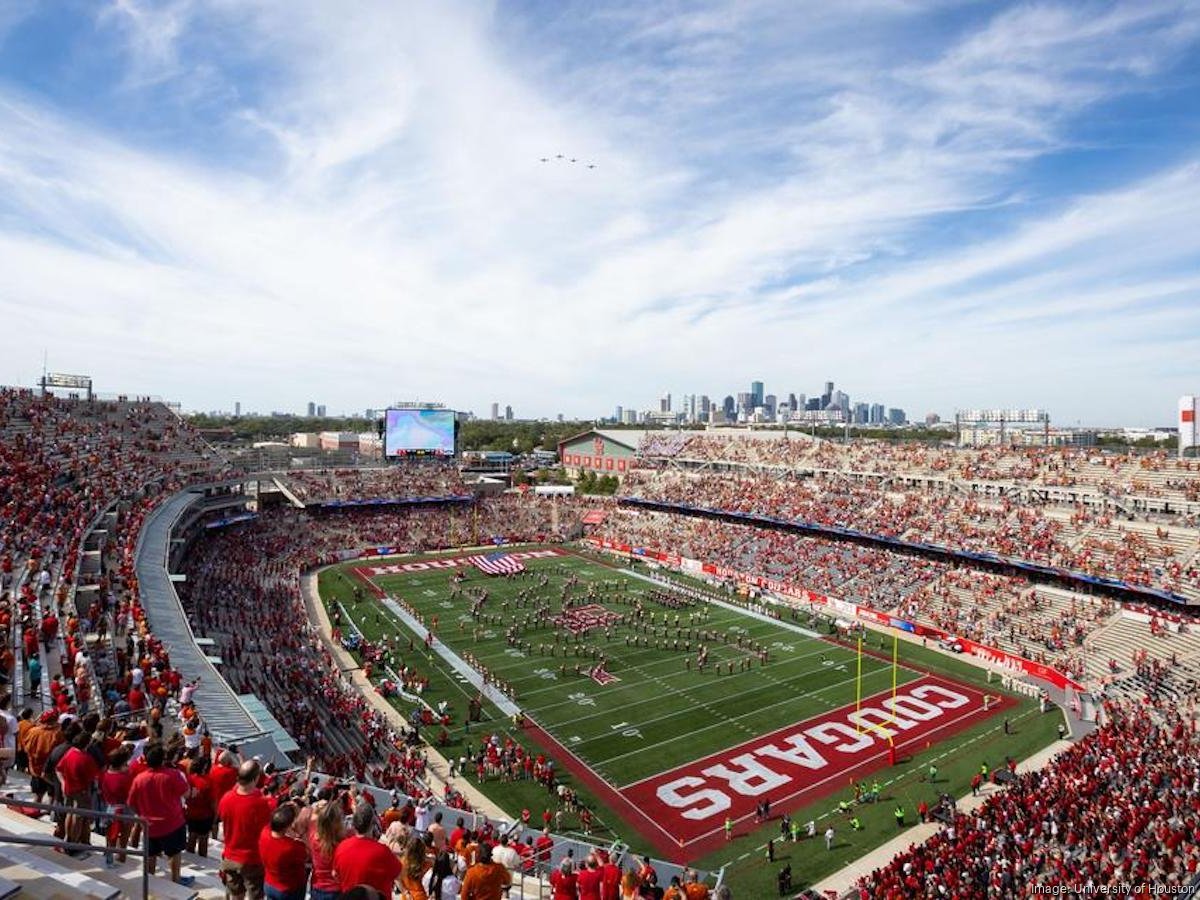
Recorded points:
(410, 241)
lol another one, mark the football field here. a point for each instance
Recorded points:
(606, 667)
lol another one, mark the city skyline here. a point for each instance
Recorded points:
(955, 205)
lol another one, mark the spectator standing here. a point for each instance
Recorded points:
(222, 777)
(440, 882)
(325, 831)
(115, 782)
(156, 795)
(8, 737)
(243, 812)
(77, 773)
(506, 855)
(284, 859)
(200, 809)
(416, 865)
(564, 882)
(486, 880)
(589, 879)
(360, 859)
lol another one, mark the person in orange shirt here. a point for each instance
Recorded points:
(40, 740)
(486, 880)
(416, 864)
(467, 848)
(693, 888)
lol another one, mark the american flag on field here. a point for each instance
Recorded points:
(496, 564)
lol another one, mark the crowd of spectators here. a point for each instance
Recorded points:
(111, 691)
(1076, 538)
(419, 478)
(243, 591)
(1112, 474)
(1042, 625)
(1120, 809)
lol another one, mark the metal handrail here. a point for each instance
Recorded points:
(144, 852)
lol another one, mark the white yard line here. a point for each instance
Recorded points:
(498, 699)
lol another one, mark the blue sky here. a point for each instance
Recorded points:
(935, 204)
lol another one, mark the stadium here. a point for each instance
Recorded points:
(770, 665)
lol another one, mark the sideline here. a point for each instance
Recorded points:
(499, 700)
(753, 614)
(438, 770)
(842, 881)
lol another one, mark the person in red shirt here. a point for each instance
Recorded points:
(610, 880)
(157, 796)
(114, 791)
(544, 847)
(360, 859)
(589, 879)
(77, 771)
(456, 834)
(564, 882)
(326, 830)
(243, 812)
(222, 778)
(284, 859)
(199, 810)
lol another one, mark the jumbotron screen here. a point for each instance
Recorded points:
(413, 432)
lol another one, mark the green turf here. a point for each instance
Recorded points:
(336, 587)
(661, 714)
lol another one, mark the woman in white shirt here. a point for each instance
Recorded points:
(440, 882)
(8, 737)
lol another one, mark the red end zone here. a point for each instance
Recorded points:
(793, 766)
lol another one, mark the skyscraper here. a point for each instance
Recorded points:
(689, 407)
(664, 403)
(312, 409)
(877, 413)
(756, 394)
(495, 411)
(617, 414)
(320, 410)
(729, 407)
(827, 397)
(768, 404)
(237, 408)
(508, 414)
